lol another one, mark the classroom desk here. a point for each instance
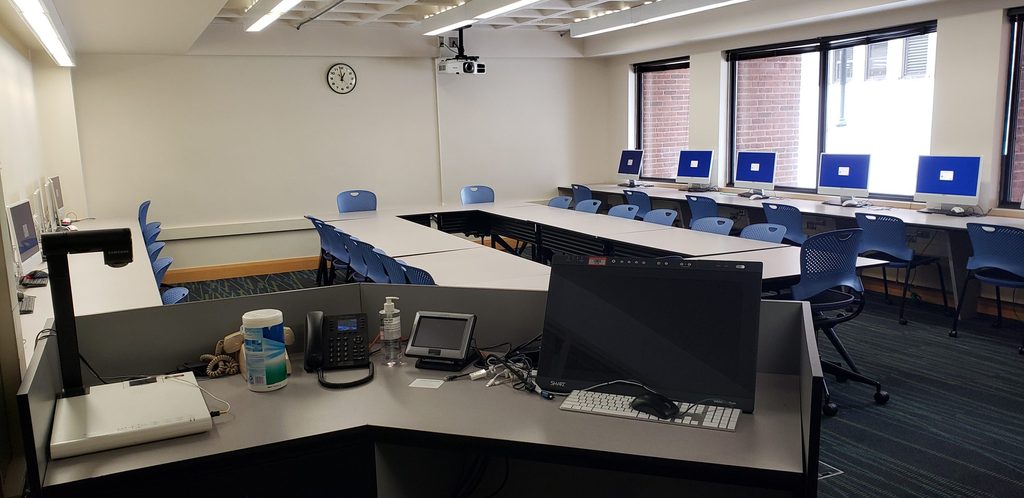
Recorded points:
(400, 238)
(684, 242)
(482, 267)
(781, 263)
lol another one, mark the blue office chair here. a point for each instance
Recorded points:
(562, 202)
(639, 199)
(154, 250)
(475, 194)
(418, 276)
(321, 266)
(718, 225)
(581, 193)
(829, 281)
(143, 213)
(998, 260)
(789, 217)
(701, 207)
(174, 295)
(394, 269)
(661, 216)
(160, 267)
(357, 200)
(151, 233)
(765, 232)
(360, 267)
(627, 211)
(885, 237)
(588, 206)
(339, 255)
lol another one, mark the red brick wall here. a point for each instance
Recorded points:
(768, 111)
(666, 120)
(1017, 174)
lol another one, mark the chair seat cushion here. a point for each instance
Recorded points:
(831, 299)
(1000, 278)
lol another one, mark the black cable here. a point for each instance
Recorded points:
(49, 333)
(504, 481)
(318, 14)
(93, 370)
(341, 385)
(509, 344)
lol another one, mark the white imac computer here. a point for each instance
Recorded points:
(630, 166)
(755, 171)
(24, 236)
(949, 184)
(56, 200)
(844, 175)
(695, 169)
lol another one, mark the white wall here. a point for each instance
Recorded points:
(20, 157)
(55, 107)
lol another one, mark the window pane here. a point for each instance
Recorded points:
(665, 119)
(878, 55)
(1017, 168)
(888, 117)
(777, 110)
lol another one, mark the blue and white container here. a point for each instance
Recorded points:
(265, 361)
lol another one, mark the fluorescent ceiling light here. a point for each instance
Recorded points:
(687, 12)
(445, 29)
(276, 12)
(505, 8)
(604, 30)
(647, 13)
(45, 24)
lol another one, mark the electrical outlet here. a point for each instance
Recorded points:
(453, 42)
(440, 41)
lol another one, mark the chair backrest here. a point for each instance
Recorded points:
(828, 260)
(562, 202)
(418, 276)
(588, 206)
(320, 228)
(714, 224)
(661, 216)
(396, 273)
(338, 243)
(701, 207)
(885, 234)
(357, 200)
(581, 193)
(766, 232)
(174, 295)
(143, 213)
(627, 211)
(996, 246)
(150, 232)
(154, 250)
(362, 257)
(475, 194)
(787, 216)
(639, 199)
(160, 267)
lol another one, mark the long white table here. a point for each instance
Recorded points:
(399, 238)
(779, 263)
(482, 267)
(598, 225)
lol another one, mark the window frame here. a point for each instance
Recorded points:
(639, 69)
(1013, 92)
(821, 45)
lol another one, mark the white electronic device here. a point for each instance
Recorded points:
(462, 65)
(129, 413)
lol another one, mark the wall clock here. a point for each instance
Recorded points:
(341, 78)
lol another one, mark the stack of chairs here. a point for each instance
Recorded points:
(150, 234)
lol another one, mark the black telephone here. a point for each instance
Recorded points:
(337, 342)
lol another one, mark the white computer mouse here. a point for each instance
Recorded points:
(72, 228)
(957, 210)
(851, 204)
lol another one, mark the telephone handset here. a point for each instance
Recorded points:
(337, 342)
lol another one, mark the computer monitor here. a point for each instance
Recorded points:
(695, 167)
(24, 235)
(755, 171)
(630, 166)
(947, 181)
(844, 175)
(56, 199)
(686, 329)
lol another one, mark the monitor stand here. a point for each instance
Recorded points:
(949, 210)
(845, 201)
(698, 188)
(754, 194)
(635, 184)
(447, 365)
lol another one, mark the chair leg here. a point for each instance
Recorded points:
(942, 287)
(906, 286)
(830, 332)
(959, 306)
(828, 407)
(885, 285)
(881, 397)
(321, 266)
(999, 310)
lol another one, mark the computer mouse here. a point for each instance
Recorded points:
(72, 228)
(655, 404)
(957, 210)
(757, 197)
(21, 296)
(38, 274)
(851, 203)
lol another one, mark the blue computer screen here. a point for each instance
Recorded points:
(844, 170)
(629, 163)
(24, 230)
(948, 175)
(694, 163)
(755, 167)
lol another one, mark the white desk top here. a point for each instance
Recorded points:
(599, 225)
(400, 238)
(482, 267)
(413, 209)
(692, 242)
(781, 262)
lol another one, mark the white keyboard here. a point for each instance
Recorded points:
(617, 405)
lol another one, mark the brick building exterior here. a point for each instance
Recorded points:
(666, 120)
(1017, 173)
(768, 111)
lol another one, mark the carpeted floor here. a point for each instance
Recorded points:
(953, 427)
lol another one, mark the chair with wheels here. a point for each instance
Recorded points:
(588, 206)
(160, 267)
(174, 295)
(581, 193)
(829, 282)
(715, 224)
(627, 211)
(661, 216)
(562, 202)
(998, 260)
(885, 237)
(418, 276)
(789, 217)
(639, 199)
(765, 232)
(476, 194)
(357, 200)
(701, 207)
(154, 250)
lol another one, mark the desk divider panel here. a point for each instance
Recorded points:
(37, 401)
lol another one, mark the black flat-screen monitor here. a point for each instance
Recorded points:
(24, 227)
(687, 329)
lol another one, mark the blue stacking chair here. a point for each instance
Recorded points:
(715, 224)
(885, 237)
(174, 295)
(627, 211)
(394, 269)
(998, 260)
(639, 199)
(581, 193)
(143, 214)
(765, 232)
(151, 233)
(701, 207)
(357, 262)
(321, 266)
(418, 276)
(338, 254)
(789, 217)
(588, 206)
(562, 202)
(475, 194)
(154, 251)
(160, 267)
(661, 216)
(357, 200)
(829, 281)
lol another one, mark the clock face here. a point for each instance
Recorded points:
(341, 78)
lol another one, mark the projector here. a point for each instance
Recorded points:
(461, 66)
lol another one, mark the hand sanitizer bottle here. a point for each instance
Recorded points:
(391, 333)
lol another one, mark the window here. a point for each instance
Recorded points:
(663, 115)
(1013, 132)
(801, 99)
